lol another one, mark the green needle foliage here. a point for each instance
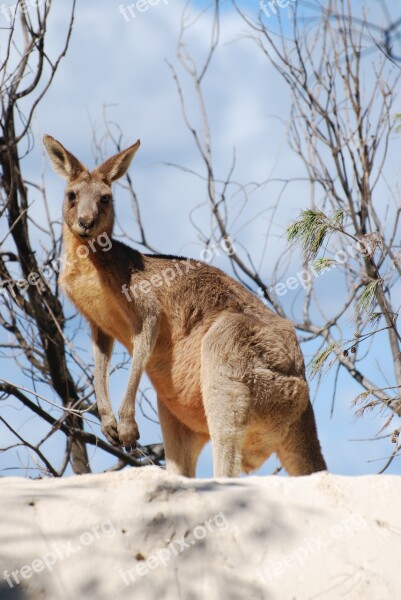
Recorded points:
(375, 318)
(367, 299)
(321, 264)
(312, 228)
(319, 360)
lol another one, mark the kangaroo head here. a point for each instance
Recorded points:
(88, 202)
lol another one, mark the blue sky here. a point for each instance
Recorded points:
(123, 65)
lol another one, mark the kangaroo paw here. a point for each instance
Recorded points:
(128, 434)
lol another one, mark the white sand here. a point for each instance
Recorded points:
(322, 536)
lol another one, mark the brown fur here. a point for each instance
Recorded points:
(224, 366)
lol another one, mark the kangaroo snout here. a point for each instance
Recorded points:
(86, 217)
(86, 222)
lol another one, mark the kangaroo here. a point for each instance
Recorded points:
(224, 366)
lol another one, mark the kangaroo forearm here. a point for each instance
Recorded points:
(102, 349)
(127, 408)
(139, 360)
(143, 346)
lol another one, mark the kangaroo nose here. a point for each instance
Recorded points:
(86, 222)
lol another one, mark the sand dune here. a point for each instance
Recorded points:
(143, 534)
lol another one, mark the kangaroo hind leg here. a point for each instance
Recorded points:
(226, 397)
(182, 446)
(300, 452)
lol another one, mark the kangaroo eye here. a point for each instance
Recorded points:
(71, 196)
(105, 198)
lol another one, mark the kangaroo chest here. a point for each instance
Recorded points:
(97, 297)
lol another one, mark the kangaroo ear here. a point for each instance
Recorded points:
(116, 166)
(63, 162)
